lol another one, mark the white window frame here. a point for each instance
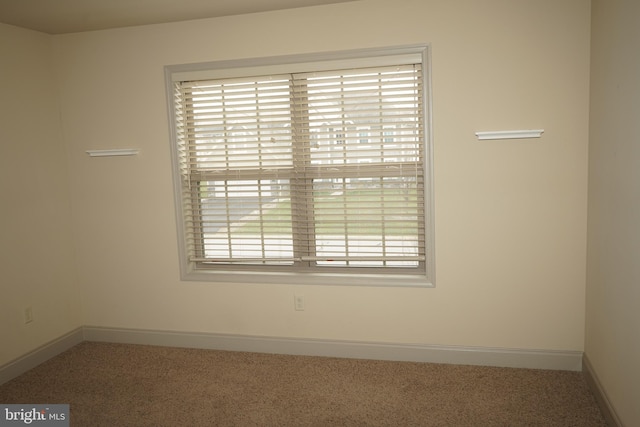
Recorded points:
(303, 63)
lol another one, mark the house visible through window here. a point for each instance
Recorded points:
(304, 168)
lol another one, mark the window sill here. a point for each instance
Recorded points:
(324, 279)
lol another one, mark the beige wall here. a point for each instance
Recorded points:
(613, 292)
(36, 257)
(510, 215)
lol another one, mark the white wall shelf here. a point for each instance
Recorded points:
(510, 134)
(113, 152)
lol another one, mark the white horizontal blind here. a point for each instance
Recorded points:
(315, 170)
(237, 167)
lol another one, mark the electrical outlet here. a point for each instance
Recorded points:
(298, 302)
(28, 315)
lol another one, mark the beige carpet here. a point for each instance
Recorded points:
(131, 385)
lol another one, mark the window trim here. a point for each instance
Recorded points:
(308, 62)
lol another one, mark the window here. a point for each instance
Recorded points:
(304, 168)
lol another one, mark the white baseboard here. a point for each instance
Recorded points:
(19, 366)
(484, 356)
(608, 411)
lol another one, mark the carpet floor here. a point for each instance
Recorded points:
(135, 385)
